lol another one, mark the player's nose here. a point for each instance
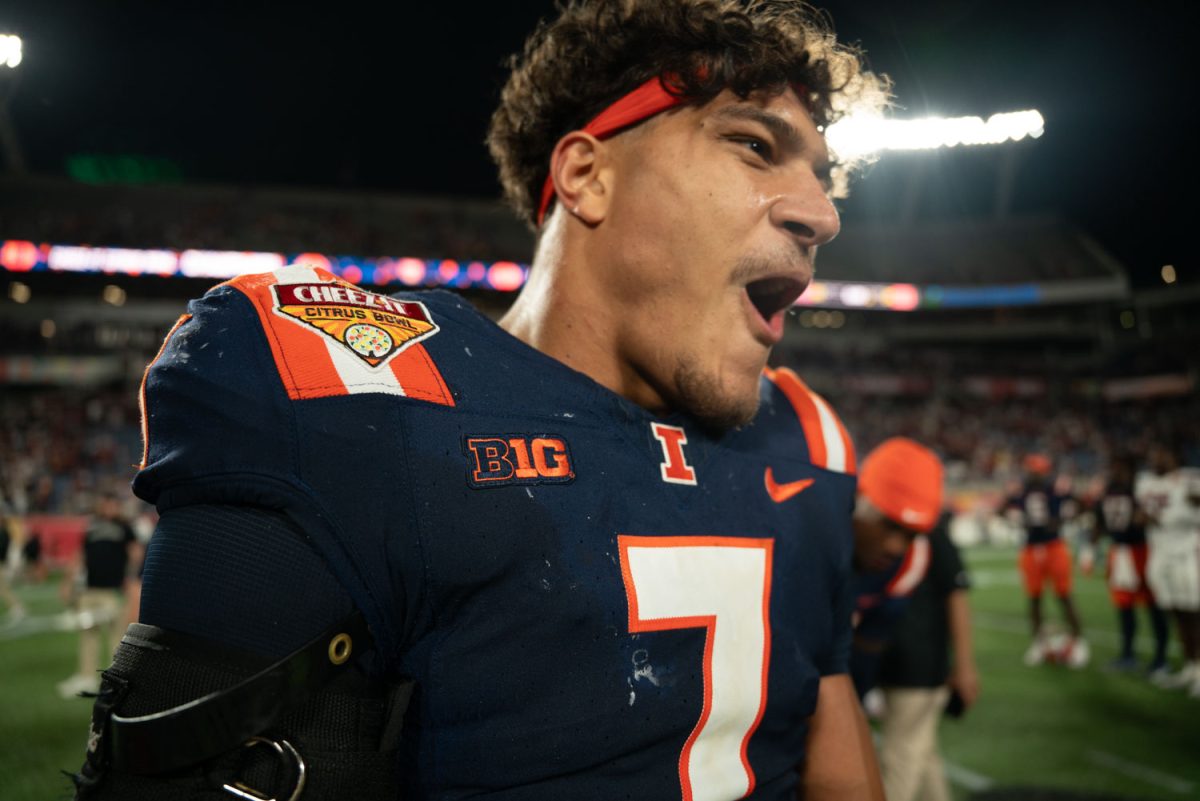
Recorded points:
(805, 210)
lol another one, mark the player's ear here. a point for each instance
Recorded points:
(582, 176)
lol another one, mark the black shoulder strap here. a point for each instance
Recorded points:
(220, 721)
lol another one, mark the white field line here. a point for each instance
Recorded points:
(969, 779)
(1136, 770)
(977, 555)
(39, 624)
(995, 577)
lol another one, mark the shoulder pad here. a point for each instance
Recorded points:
(829, 446)
(329, 337)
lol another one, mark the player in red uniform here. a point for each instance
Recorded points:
(607, 554)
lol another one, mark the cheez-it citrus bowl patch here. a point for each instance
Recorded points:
(372, 327)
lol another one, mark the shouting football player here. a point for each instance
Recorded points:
(594, 552)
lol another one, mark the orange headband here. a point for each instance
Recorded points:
(643, 102)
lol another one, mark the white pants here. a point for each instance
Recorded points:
(908, 751)
(1173, 571)
(100, 612)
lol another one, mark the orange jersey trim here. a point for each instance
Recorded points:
(823, 430)
(307, 369)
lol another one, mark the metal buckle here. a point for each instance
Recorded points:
(283, 749)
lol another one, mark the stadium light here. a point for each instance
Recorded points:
(10, 50)
(859, 135)
(113, 295)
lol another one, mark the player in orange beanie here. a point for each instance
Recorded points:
(899, 498)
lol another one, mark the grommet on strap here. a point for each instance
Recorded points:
(195, 731)
(283, 749)
(340, 648)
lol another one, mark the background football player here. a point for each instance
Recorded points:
(1170, 496)
(1121, 517)
(1040, 508)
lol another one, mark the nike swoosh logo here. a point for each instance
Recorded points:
(782, 492)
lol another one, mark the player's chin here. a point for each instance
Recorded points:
(721, 400)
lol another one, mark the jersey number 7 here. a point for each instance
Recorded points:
(723, 585)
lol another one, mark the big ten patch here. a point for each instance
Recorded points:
(496, 460)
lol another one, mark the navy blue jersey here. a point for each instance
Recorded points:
(593, 602)
(1118, 515)
(1042, 510)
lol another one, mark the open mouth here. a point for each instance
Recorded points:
(769, 296)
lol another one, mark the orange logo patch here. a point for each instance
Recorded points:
(783, 492)
(372, 327)
(517, 459)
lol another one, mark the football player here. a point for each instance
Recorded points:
(592, 552)
(899, 499)
(1170, 496)
(1041, 508)
(1120, 516)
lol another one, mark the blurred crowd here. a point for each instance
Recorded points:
(61, 448)
(983, 440)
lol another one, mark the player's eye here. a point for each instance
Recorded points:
(754, 144)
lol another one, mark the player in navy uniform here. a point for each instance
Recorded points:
(1041, 508)
(1121, 517)
(600, 552)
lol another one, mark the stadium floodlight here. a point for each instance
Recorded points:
(10, 50)
(859, 135)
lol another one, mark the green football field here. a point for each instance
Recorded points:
(1037, 733)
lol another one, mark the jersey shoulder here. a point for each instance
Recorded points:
(801, 423)
(227, 385)
(297, 392)
(328, 337)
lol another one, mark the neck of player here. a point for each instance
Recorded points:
(566, 311)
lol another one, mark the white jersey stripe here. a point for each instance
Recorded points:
(835, 450)
(907, 581)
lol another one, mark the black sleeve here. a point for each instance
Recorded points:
(946, 570)
(241, 575)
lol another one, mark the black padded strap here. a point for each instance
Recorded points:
(220, 721)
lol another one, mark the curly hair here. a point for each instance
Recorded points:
(596, 51)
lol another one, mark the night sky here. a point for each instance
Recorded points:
(336, 95)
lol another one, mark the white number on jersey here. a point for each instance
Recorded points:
(722, 584)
